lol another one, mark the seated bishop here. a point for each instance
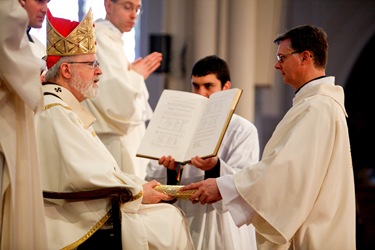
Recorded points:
(72, 157)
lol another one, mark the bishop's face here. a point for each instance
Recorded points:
(85, 72)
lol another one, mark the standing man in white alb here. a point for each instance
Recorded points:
(212, 226)
(301, 194)
(121, 106)
(22, 224)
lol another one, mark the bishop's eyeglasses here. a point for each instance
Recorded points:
(94, 64)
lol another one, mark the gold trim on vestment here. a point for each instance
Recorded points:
(95, 228)
(56, 104)
(137, 196)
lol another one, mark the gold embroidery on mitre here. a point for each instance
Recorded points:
(80, 41)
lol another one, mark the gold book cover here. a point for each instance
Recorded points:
(174, 191)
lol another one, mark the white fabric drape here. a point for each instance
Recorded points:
(22, 223)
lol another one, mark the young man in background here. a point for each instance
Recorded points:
(212, 226)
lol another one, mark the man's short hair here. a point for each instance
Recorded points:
(311, 38)
(212, 65)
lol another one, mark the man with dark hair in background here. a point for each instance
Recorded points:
(211, 225)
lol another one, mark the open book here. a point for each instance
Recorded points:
(186, 124)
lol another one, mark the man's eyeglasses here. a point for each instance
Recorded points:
(129, 7)
(281, 58)
(94, 64)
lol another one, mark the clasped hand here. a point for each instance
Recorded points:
(207, 191)
(151, 196)
(203, 164)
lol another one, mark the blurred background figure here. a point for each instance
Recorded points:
(121, 106)
(22, 224)
(36, 10)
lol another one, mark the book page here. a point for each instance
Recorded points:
(170, 129)
(212, 126)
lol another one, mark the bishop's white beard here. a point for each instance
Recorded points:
(90, 92)
(87, 91)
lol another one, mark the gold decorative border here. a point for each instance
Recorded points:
(137, 196)
(174, 191)
(95, 228)
(56, 104)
